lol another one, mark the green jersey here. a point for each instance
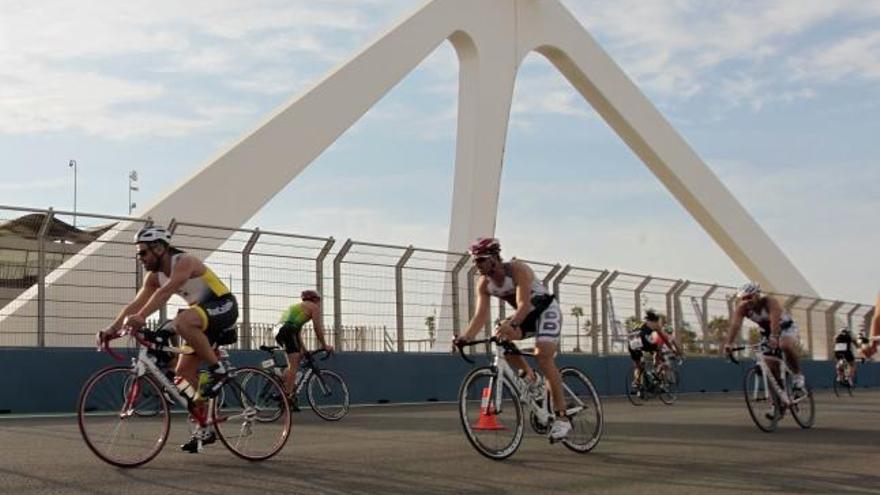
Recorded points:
(295, 316)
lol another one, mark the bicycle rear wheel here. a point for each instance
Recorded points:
(583, 408)
(328, 395)
(761, 400)
(241, 419)
(122, 417)
(493, 431)
(636, 395)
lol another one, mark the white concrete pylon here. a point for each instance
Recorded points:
(491, 38)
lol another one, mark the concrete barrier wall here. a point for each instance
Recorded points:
(49, 379)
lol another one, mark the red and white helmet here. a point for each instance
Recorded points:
(485, 246)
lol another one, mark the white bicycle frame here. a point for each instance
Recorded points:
(506, 373)
(761, 360)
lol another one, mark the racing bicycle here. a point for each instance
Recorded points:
(768, 396)
(325, 390)
(124, 414)
(493, 401)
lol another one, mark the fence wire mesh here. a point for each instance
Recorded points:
(64, 276)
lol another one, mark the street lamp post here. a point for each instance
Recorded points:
(132, 186)
(72, 163)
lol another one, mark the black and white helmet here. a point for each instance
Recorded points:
(153, 234)
(748, 289)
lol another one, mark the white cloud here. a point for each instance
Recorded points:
(856, 56)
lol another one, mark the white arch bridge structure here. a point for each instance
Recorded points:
(491, 38)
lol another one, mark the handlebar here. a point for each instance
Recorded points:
(735, 349)
(509, 347)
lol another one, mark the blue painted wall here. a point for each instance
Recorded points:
(48, 380)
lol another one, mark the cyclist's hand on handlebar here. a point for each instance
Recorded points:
(328, 348)
(458, 341)
(134, 322)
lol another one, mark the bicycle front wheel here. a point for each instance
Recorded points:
(669, 387)
(269, 408)
(123, 417)
(761, 400)
(494, 428)
(802, 408)
(328, 395)
(241, 419)
(583, 408)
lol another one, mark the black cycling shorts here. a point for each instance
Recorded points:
(218, 317)
(848, 355)
(289, 337)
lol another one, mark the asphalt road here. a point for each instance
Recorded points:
(703, 444)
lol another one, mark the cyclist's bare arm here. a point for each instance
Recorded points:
(775, 310)
(481, 315)
(186, 268)
(151, 284)
(669, 341)
(523, 276)
(317, 321)
(736, 323)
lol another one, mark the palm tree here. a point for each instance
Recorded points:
(431, 325)
(577, 312)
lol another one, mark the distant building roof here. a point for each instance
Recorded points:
(28, 227)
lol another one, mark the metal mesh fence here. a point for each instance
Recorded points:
(63, 278)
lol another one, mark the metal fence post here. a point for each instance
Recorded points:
(849, 316)
(550, 274)
(556, 283)
(337, 293)
(319, 270)
(704, 304)
(810, 326)
(247, 334)
(830, 314)
(456, 296)
(138, 268)
(605, 323)
(41, 278)
(637, 295)
(398, 292)
(676, 304)
(594, 311)
(670, 303)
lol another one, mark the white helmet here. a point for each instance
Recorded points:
(152, 234)
(748, 289)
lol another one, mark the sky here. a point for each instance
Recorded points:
(780, 99)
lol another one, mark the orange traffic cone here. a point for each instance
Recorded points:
(487, 419)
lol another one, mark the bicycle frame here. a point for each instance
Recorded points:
(505, 372)
(143, 364)
(768, 378)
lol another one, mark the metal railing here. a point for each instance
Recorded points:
(59, 285)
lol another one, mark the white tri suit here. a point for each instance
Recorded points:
(544, 321)
(212, 300)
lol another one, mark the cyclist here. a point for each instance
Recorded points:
(537, 314)
(870, 348)
(843, 349)
(212, 309)
(289, 336)
(649, 337)
(778, 330)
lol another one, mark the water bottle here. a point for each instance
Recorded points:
(299, 375)
(185, 388)
(204, 378)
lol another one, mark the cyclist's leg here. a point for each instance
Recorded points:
(507, 332)
(788, 342)
(852, 368)
(547, 329)
(188, 368)
(288, 338)
(191, 325)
